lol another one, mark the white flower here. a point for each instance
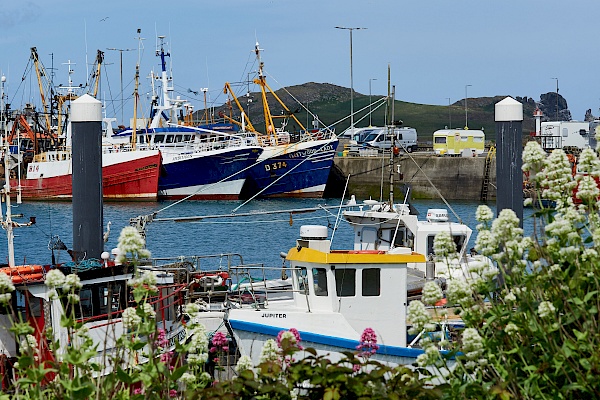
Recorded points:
(243, 364)
(55, 278)
(198, 340)
(418, 316)
(5, 298)
(72, 281)
(130, 318)
(484, 214)
(197, 359)
(432, 293)
(269, 352)
(73, 298)
(511, 329)
(533, 157)
(486, 243)
(188, 378)
(472, 343)
(546, 309)
(458, 292)
(29, 344)
(149, 311)
(510, 297)
(443, 245)
(6, 285)
(132, 243)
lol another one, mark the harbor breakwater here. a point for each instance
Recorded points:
(456, 178)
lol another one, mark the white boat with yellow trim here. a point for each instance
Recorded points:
(336, 295)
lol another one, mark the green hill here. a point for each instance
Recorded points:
(331, 103)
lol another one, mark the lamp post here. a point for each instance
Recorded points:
(449, 114)
(351, 79)
(371, 79)
(556, 97)
(466, 109)
(121, 56)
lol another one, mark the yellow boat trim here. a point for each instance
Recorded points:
(351, 257)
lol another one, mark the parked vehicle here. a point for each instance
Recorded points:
(379, 138)
(457, 142)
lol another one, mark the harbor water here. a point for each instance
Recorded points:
(258, 239)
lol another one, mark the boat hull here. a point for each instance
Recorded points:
(251, 337)
(297, 170)
(208, 175)
(126, 176)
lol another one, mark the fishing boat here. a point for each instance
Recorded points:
(336, 295)
(199, 163)
(41, 157)
(127, 175)
(293, 164)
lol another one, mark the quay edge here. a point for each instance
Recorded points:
(456, 178)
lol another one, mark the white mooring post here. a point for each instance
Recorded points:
(509, 156)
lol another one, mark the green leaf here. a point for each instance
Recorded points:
(176, 374)
(580, 335)
(124, 376)
(589, 296)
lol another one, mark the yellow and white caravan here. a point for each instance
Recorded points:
(458, 142)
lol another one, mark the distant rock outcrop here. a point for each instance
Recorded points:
(589, 117)
(554, 107)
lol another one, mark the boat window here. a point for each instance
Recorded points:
(345, 282)
(459, 240)
(440, 140)
(301, 277)
(188, 138)
(371, 282)
(463, 138)
(159, 138)
(178, 138)
(477, 139)
(86, 303)
(430, 239)
(320, 281)
(110, 298)
(170, 138)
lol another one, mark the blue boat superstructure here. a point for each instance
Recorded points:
(199, 163)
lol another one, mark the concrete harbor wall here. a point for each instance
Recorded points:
(456, 178)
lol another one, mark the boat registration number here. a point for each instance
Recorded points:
(275, 166)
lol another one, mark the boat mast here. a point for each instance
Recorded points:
(7, 223)
(135, 94)
(261, 81)
(392, 133)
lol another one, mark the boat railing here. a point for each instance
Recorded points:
(185, 266)
(254, 285)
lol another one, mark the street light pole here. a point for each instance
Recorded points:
(466, 109)
(351, 79)
(121, 56)
(371, 79)
(556, 97)
(449, 114)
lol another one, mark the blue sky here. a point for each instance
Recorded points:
(434, 47)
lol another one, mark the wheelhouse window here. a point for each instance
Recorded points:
(159, 138)
(459, 241)
(371, 282)
(320, 281)
(440, 140)
(345, 282)
(302, 280)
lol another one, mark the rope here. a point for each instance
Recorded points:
(84, 265)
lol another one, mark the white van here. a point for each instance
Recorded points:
(404, 138)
